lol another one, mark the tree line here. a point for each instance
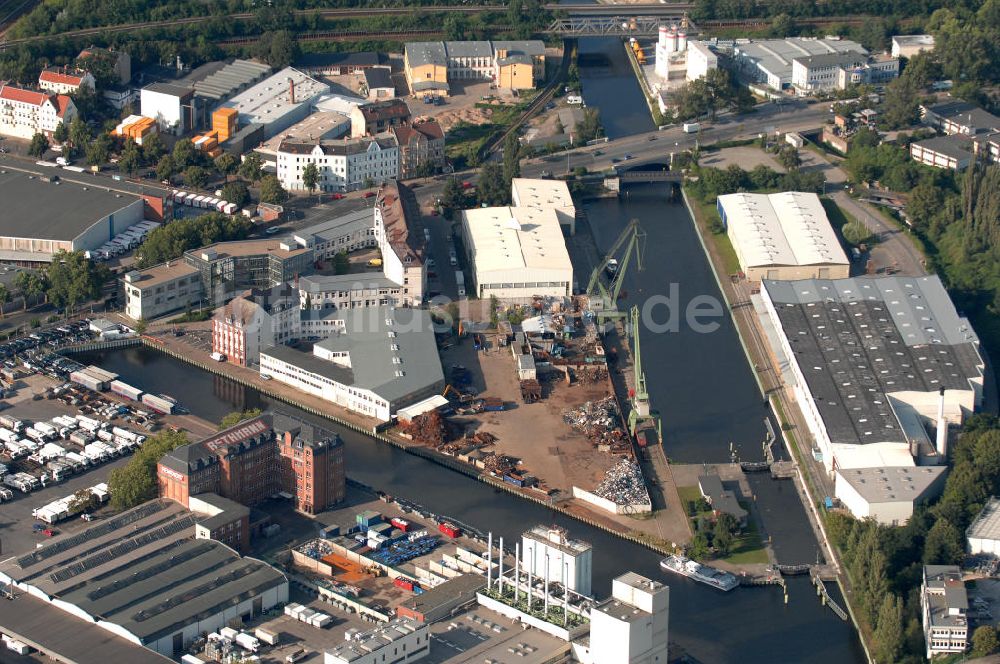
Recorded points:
(885, 564)
(172, 240)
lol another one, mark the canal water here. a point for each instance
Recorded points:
(748, 625)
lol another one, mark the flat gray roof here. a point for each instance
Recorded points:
(956, 146)
(857, 339)
(776, 55)
(468, 49)
(338, 226)
(320, 283)
(50, 211)
(374, 345)
(892, 484)
(143, 570)
(425, 53)
(60, 634)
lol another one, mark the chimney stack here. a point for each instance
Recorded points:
(942, 429)
(291, 90)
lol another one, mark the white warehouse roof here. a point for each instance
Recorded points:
(276, 96)
(526, 192)
(788, 228)
(516, 238)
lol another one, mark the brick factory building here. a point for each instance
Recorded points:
(238, 463)
(312, 468)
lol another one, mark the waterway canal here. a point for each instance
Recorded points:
(748, 625)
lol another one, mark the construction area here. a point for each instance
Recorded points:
(538, 397)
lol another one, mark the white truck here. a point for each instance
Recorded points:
(247, 641)
(130, 436)
(88, 423)
(267, 636)
(50, 432)
(218, 357)
(6, 436)
(691, 127)
(34, 434)
(12, 423)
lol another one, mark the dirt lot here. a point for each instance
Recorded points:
(746, 157)
(534, 433)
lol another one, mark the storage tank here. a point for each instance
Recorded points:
(682, 41)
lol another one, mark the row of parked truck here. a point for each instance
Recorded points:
(124, 242)
(91, 442)
(204, 201)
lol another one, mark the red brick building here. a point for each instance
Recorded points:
(237, 463)
(312, 469)
(253, 461)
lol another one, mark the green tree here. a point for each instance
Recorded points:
(135, 482)
(98, 150)
(234, 418)
(984, 641)
(278, 49)
(196, 177)
(251, 168)
(788, 157)
(888, 641)
(4, 298)
(341, 263)
(30, 283)
(172, 240)
(130, 158)
(511, 157)
(944, 544)
(141, 326)
(491, 188)
(452, 197)
(61, 133)
(166, 168)
(226, 163)
(185, 154)
(39, 146)
(79, 132)
(588, 128)
(310, 177)
(73, 279)
(236, 192)
(271, 190)
(152, 148)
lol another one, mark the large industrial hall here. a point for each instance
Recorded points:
(782, 236)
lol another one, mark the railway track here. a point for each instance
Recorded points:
(11, 10)
(247, 16)
(351, 35)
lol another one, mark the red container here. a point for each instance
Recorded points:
(405, 584)
(401, 524)
(450, 529)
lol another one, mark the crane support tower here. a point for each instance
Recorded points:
(604, 299)
(640, 414)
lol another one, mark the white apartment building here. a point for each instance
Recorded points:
(835, 71)
(549, 551)
(347, 291)
(151, 293)
(24, 113)
(343, 165)
(631, 626)
(64, 81)
(470, 60)
(944, 606)
(400, 641)
(700, 60)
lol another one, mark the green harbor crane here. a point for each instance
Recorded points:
(640, 413)
(604, 299)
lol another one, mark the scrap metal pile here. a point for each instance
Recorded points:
(501, 464)
(476, 440)
(623, 484)
(427, 429)
(599, 421)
